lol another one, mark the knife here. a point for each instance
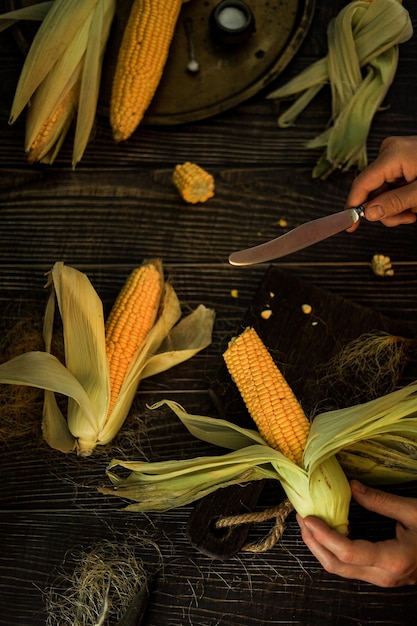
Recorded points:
(300, 237)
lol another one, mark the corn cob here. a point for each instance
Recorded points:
(278, 415)
(141, 60)
(47, 142)
(60, 78)
(314, 486)
(193, 183)
(130, 320)
(375, 440)
(145, 336)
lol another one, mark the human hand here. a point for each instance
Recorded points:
(388, 186)
(390, 563)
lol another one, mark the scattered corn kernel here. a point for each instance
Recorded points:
(306, 308)
(282, 223)
(266, 314)
(234, 293)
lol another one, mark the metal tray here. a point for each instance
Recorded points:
(228, 75)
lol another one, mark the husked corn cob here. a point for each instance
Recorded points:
(278, 415)
(194, 184)
(141, 60)
(130, 320)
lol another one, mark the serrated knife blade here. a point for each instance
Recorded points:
(300, 237)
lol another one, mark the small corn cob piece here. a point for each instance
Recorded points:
(193, 183)
(141, 60)
(381, 265)
(275, 410)
(131, 318)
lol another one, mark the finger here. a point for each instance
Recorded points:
(390, 563)
(373, 179)
(337, 554)
(392, 203)
(397, 157)
(395, 162)
(398, 508)
(407, 217)
(383, 563)
(328, 544)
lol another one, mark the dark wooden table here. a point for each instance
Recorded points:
(118, 208)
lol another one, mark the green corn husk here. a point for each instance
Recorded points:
(164, 485)
(385, 460)
(360, 67)
(358, 436)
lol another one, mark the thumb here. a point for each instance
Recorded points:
(393, 202)
(398, 508)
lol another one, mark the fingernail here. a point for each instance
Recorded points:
(357, 486)
(374, 212)
(300, 520)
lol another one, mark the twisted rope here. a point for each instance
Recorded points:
(280, 513)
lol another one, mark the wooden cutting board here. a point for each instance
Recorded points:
(300, 344)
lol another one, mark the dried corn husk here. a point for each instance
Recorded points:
(360, 67)
(84, 379)
(35, 13)
(61, 75)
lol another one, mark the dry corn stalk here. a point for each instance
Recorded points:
(99, 382)
(140, 62)
(194, 184)
(377, 440)
(360, 67)
(60, 78)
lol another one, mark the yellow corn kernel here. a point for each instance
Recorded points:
(194, 184)
(140, 63)
(266, 314)
(275, 410)
(57, 124)
(130, 320)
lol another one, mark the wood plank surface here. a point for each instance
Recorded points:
(118, 207)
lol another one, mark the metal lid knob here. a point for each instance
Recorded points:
(232, 22)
